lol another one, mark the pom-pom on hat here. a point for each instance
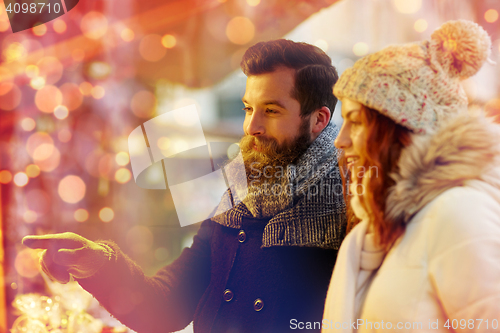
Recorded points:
(418, 85)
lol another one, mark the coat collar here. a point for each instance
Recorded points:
(467, 148)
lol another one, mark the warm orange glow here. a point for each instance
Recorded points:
(37, 83)
(5, 176)
(31, 71)
(127, 35)
(360, 49)
(253, 3)
(81, 215)
(10, 96)
(48, 98)
(27, 263)
(122, 158)
(106, 214)
(492, 109)
(151, 48)
(106, 166)
(139, 239)
(491, 15)
(37, 139)
(78, 55)
(59, 26)
(14, 52)
(240, 30)
(94, 25)
(64, 135)
(39, 30)
(71, 189)
(420, 25)
(43, 151)
(72, 97)
(168, 41)
(50, 163)
(408, 6)
(32, 171)
(85, 88)
(122, 175)
(61, 112)
(30, 216)
(21, 179)
(143, 104)
(51, 69)
(4, 24)
(98, 92)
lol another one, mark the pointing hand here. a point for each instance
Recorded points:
(68, 253)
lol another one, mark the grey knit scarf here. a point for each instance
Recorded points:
(314, 213)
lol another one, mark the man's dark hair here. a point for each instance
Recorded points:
(314, 73)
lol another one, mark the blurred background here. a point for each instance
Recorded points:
(74, 88)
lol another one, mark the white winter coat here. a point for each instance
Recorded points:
(444, 271)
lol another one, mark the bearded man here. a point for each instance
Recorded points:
(263, 265)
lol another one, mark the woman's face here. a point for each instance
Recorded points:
(352, 136)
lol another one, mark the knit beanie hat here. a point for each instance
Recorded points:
(417, 84)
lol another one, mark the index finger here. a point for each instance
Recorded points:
(63, 240)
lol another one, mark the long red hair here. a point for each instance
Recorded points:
(384, 142)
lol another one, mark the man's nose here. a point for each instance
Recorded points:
(255, 125)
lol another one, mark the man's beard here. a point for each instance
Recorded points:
(269, 163)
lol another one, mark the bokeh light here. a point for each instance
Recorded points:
(98, 92)
(99, 70)
(122, 175)
(106, 214)
(143, 104)
(420, 25)
(37, 83)
(94, 25)
(64, 135)
(48, 98)
(30, 216)
(78, 55)
(27, 263)
(360, 49)
(59, 26)
(32, 71)
(127, 35)
(491, 15)
(151, 48)
(14, 52)
(253, 3)
(39, 30)
(140, 239)
(85, 88)
(408, 6)
(5, 176)
(163, 143)
(72, 97)
(240, 30)
(37, 139)
(51, 162)
(71, 189)
(33, 170)
(61, 112)
(21, 179)
(122, 158)
(81, 215)
(168, 41)
(51, 69)
(10, 96)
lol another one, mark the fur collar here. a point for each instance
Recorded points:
(466, 148)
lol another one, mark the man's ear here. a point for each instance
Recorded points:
(319, 120)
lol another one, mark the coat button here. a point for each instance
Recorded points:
(228, 295)
(242, 236)
(258, 304)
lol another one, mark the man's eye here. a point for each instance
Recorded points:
(247, 109)
(271, 111)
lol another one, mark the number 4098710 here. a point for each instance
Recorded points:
(32, 7)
